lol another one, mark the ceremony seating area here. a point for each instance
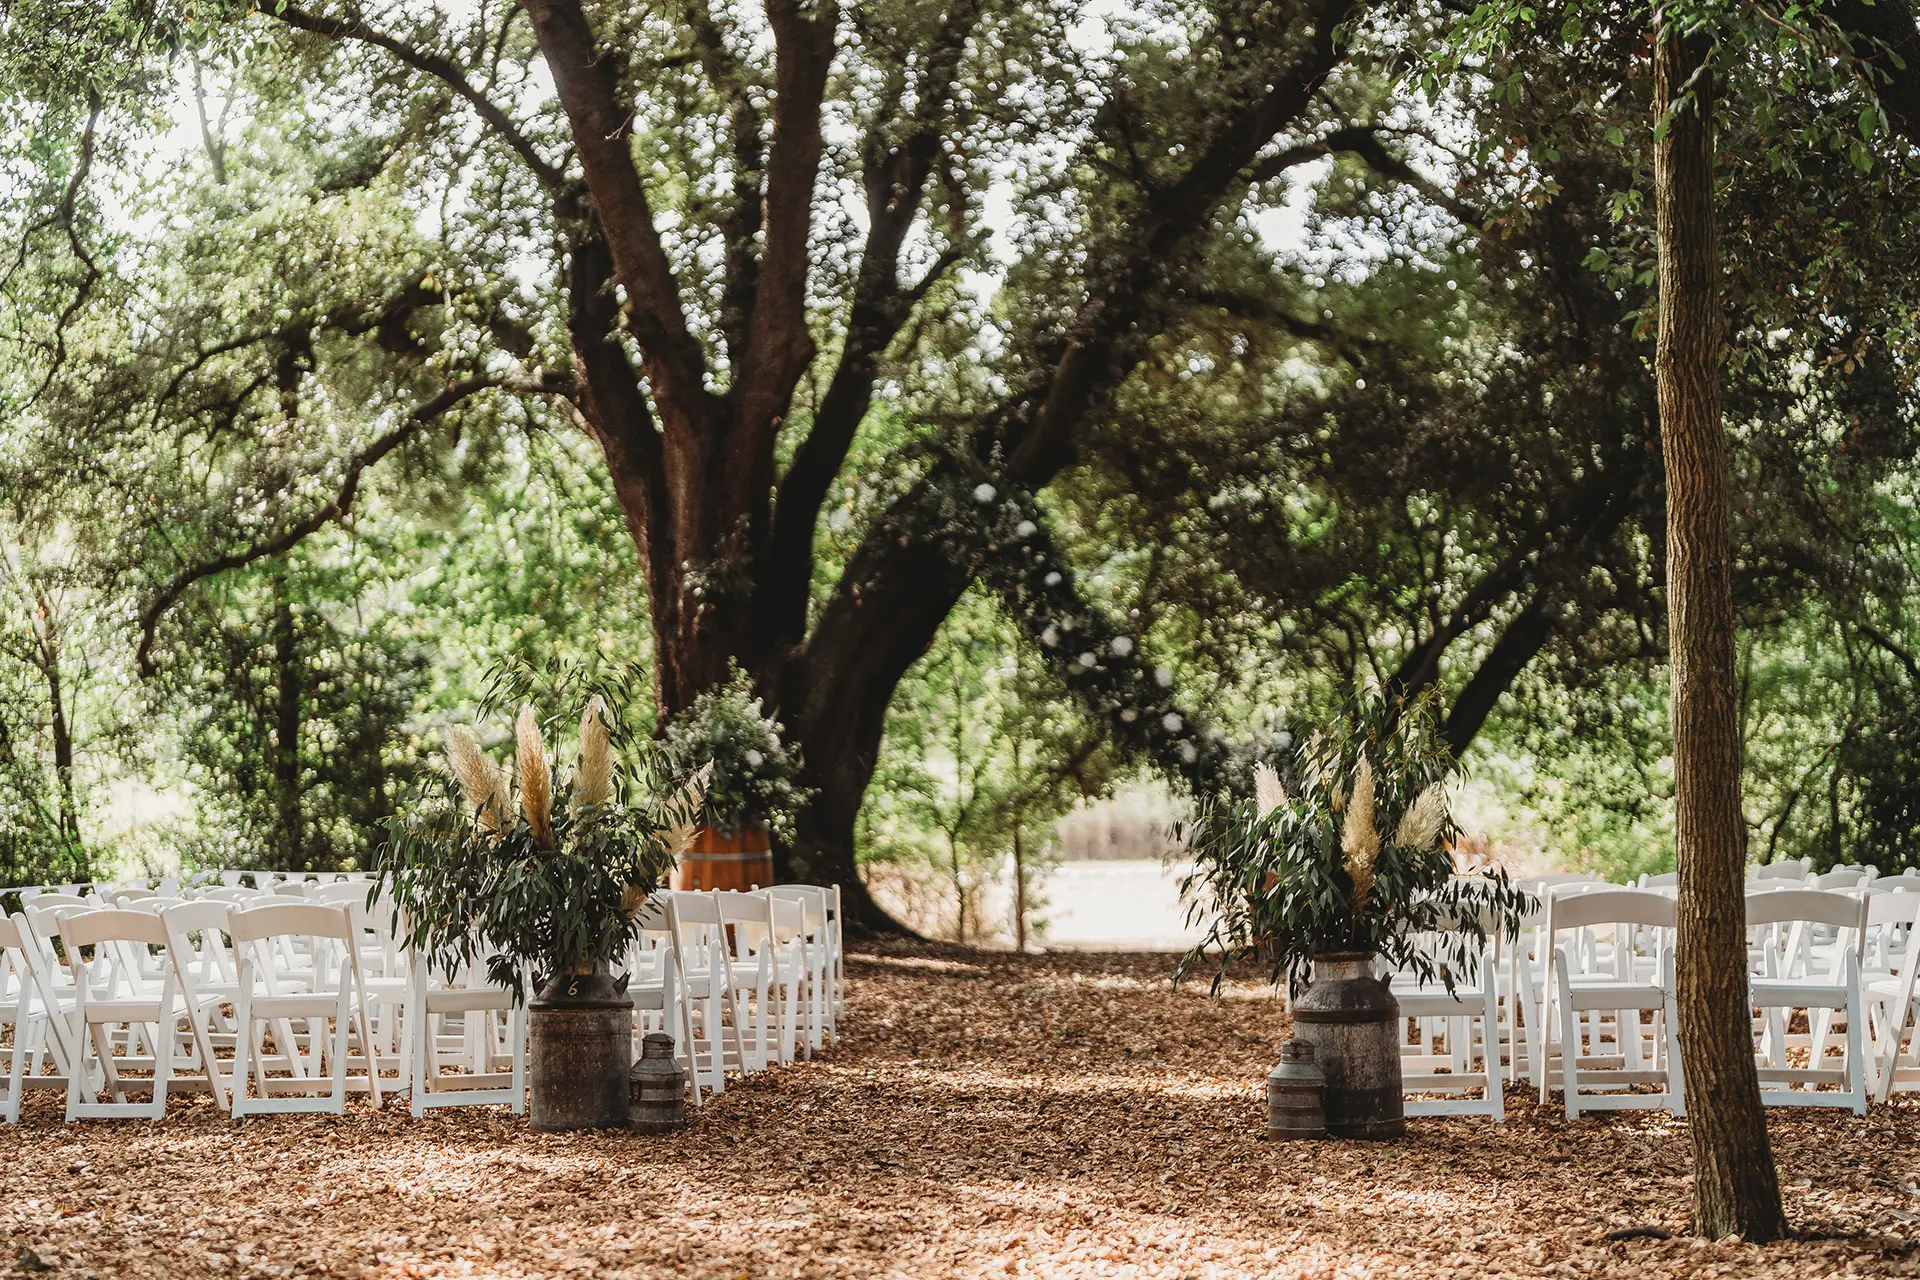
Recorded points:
(288, 994)
(1582, 1004)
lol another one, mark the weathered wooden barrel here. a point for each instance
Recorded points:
(579, 1053)
(1352, 1021)
(659, 1094)
(715, 860)
(1296, 1094)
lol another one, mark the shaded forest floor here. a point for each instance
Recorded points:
(1064, 1115)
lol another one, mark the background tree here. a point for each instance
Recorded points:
(1735, 1187)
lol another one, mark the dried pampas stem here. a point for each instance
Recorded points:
(593, 778)
(1268, 792)
(479, 777)
(1358, 840)
(1420, 826)
(682, 810)
(536, 778)
(632, 898)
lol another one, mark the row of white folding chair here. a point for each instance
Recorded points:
(446, 1033)
(176, 1020)
(1619, 981)
(185, 884)
(742, 980)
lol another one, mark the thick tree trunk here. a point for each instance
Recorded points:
(835, 696)
(1735, 1187)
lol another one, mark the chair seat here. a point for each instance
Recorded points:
(302, 1006)
(1771, 992)
(1601, 994)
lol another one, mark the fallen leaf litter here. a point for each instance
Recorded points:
(986, 1114)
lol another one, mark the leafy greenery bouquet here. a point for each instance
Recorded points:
(753, 771)
(495, 858)
(1345, 849)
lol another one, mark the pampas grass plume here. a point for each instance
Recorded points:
(536, 777)
(1420, 826)
(479, 777)
(593, 778)
(1358, 840)
(1268, 793)
(682, 811)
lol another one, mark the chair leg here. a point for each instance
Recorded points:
(1676, 1076)
(1856, 1061)
(517, 1028)
(243, 1049)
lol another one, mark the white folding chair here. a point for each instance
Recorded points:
(1443, 1036)
(769, 959)
(1792, 980)
(336, 992)
(26, 1017)
(149, 1014)
(483, 1046)
(1893, 927)
(837, 941)
(821, 1023)
(747, 933)
(1527, 969)
(1616, 959)
(1792, 870)
(709, 1034)
(52, 990)
(208, 976)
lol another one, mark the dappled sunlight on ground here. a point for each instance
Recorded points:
(988, 1115)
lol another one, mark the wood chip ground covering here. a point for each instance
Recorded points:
(985, 1115)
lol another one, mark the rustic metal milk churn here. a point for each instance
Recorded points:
(1296, 1095)
(1352, 1020)
(579, 1048)
(659, 1098)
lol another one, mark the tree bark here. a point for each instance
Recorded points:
(289, 851)
(62, 730)
(1735, 1188)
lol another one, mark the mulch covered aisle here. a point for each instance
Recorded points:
(986, 1115)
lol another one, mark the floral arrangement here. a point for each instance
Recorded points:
(1347, 852)
(547, 884)
(752, 771)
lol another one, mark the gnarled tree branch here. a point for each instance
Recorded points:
(439, 67)
(334, 509)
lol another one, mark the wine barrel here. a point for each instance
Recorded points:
(715, 860)
(1352, 1021)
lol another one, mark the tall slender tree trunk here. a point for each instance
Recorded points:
(61, 726)
(1735, 1187)
(286, 733)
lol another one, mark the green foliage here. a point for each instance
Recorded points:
(292, 713)
(985, 749)
(753, 768)
(1353, 858)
